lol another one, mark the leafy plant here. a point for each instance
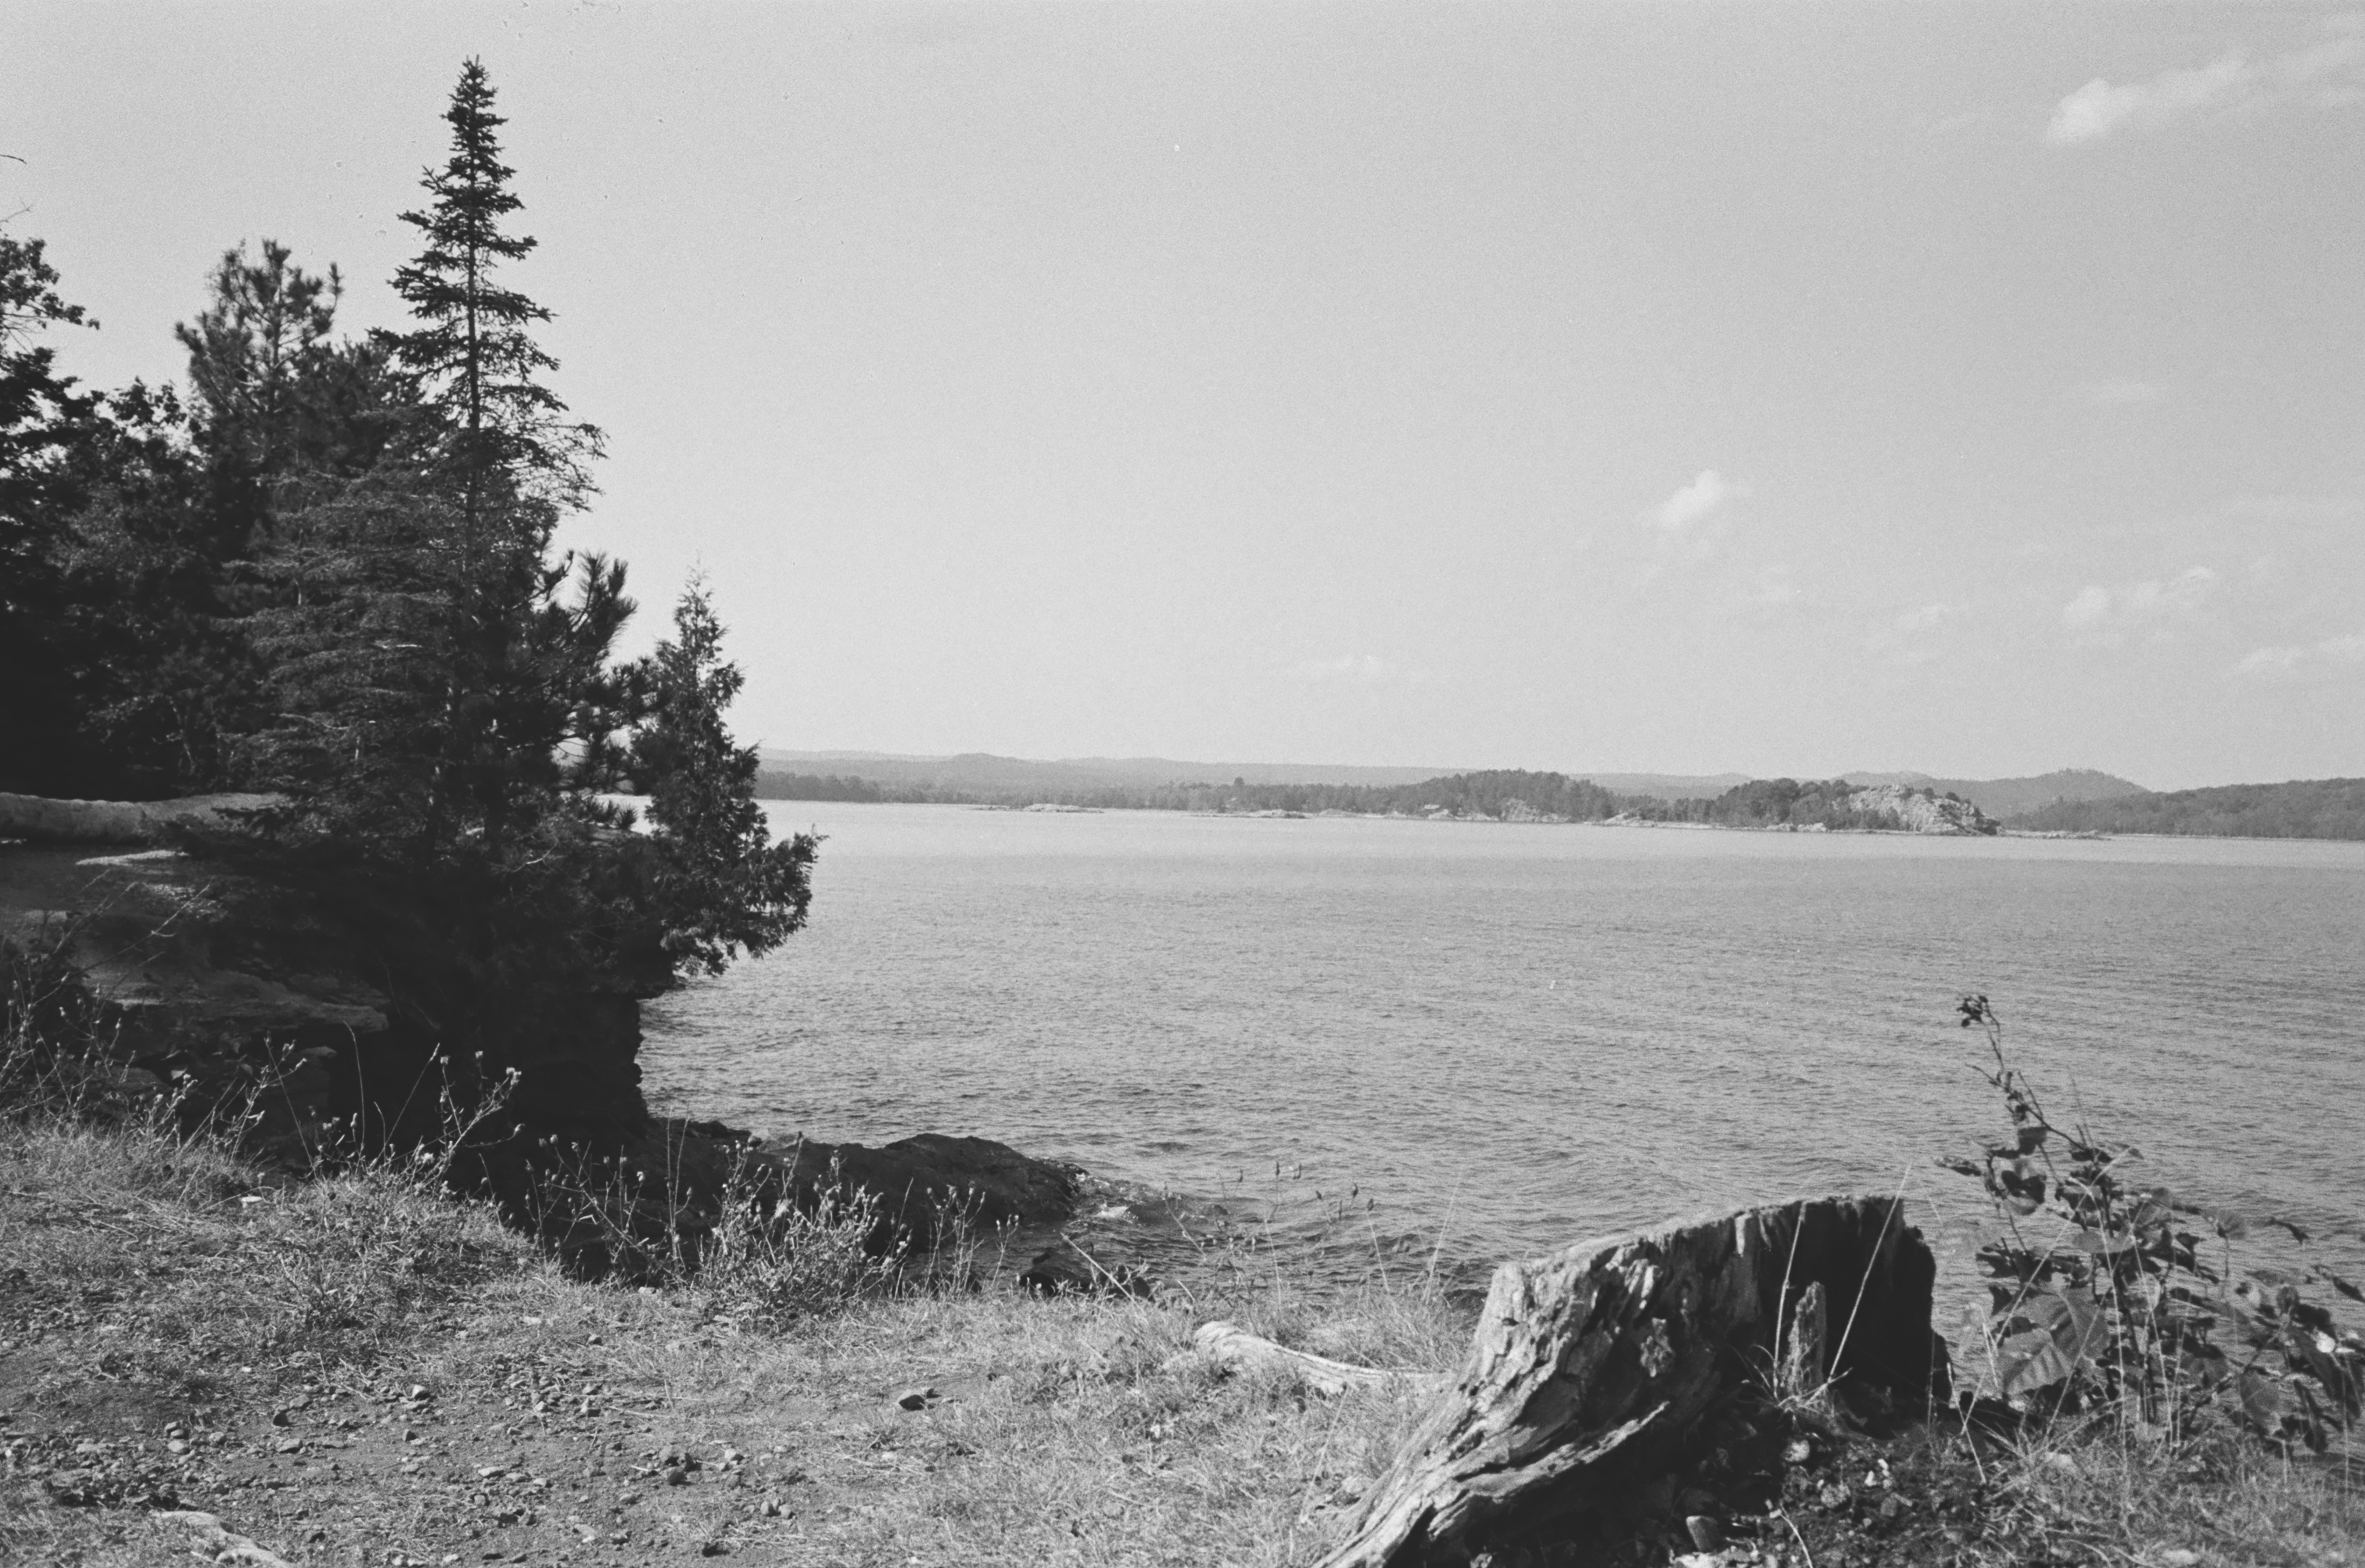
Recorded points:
(2106, 1292)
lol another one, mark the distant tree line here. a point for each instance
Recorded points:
(1500, 794)
(324, 567)
(2309, 808)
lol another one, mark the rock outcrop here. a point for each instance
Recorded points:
(1591, 1366)
(1923, 810)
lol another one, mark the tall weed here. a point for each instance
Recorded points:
(2107, 1294)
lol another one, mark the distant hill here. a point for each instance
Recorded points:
(1666, 786)
(986, 777)
(985, 774)
(2008, 797)
(2303, 808)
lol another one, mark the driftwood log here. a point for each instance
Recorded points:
(213, 1541)
(1234, 1346)
(46, 821)
(1590, 1366)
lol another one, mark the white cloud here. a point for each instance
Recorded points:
(2099, 107)
(2092, 606)
(1706, 493)
(1913, 636)
(2294, 659)
(2324, 75)
(2101, 615)
(2270, 661)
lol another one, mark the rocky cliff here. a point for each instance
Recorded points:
(1922, 810)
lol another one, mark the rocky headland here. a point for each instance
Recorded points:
(243, 994)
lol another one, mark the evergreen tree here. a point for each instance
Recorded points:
(276, 396)
(261, 339)
(421, 616)
(43, 417)
(726, 885)
(474, 357)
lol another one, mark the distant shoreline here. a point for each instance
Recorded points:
(2069, 803)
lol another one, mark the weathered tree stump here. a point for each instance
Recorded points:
(1590, 1366)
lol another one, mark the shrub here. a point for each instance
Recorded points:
(2106, 1294)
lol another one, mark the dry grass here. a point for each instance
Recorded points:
(2105, 1494)
(363, 1369)
(360, 1370)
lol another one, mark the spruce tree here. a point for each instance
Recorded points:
(472, 352)
(726, 885)
(424, 619)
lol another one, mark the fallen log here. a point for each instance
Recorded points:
(41, 820)
(1590, 1366)
(1232, 1345)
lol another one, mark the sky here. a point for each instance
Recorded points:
(1779, 389)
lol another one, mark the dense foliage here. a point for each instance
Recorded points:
(328, 570)
(2304, 807)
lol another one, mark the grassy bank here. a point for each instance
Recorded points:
(362, 1370)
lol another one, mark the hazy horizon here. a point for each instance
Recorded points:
(1309, 771)
(1696, 389)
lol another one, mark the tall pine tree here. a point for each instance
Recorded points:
(425, 622)
(471, 351)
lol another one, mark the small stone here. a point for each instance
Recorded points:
(1798, 1452)
(1834, 1496)
(1706, 1532)
(1892, 1507)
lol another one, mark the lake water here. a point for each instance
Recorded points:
(1503, 1038)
